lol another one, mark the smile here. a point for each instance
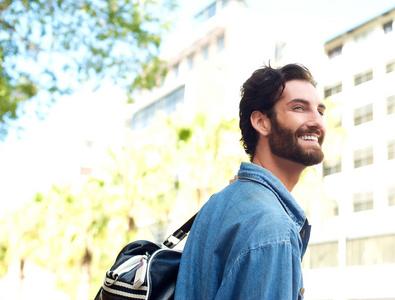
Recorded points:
(309, 138)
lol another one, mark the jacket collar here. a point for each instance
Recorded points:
(261, 175)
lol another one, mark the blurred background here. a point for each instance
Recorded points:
(119, 119)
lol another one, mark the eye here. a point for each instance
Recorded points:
(321, 112)
(299, 107)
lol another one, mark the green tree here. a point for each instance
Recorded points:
(49, 47)
(186, 163)
(213, 157)
(77, 234)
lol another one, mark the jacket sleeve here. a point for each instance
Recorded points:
(267, 272)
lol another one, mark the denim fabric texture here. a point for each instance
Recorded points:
(247, 242)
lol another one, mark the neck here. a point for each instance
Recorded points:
(286, 171)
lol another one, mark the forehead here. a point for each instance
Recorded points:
(300, 89)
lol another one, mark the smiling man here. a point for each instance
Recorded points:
(248, 240)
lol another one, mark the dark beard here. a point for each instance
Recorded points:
(284, 143)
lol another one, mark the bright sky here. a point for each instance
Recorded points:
(44, 153)
(50, 152)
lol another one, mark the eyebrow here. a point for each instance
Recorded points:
(321, 105)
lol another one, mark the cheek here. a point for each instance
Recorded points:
(292, 123)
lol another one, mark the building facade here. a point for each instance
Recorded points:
(208, 65)
(352, 248)
(352, 254)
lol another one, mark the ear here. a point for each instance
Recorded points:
(260, 122)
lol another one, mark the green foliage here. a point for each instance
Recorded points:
(68, 232)
(12, 94)
(50, 47)
(184, 134)
(4, 251)
(73, 232)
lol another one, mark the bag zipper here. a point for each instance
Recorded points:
(128, 264)
(149, 266)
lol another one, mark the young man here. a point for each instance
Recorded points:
(248, 240)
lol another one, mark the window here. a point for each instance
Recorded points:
(335, 52)
(391, 195)
(336, 119)
(220, 43)
(364, 36)
(211, 10)
(167, 104)
(85, 171)
(390, 105)
(363, 157)
(225, 3)
(363, 77)
(335, 209)
(190, 62)
(387, 27)
(329, 91)
(332, 167)
(370, 251)
(363, 201)
(391, 149)
(390, 67)
(319, 256)
(89, 143)
(279, 50)
(205, 52)
(332, 208)
(176, 70)
(206, 13)
(363, 114)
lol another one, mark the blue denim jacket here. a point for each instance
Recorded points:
(247, 242)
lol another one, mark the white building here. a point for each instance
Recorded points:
(209, 65)
(352, 255)
(352, 248)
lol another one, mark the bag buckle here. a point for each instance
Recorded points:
(174, 239)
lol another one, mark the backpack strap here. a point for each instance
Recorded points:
(179, 234)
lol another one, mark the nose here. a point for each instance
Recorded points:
(316, 121)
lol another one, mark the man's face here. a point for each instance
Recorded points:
(297, 127)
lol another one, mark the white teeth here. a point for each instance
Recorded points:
(309, 138)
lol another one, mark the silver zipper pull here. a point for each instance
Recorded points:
(141, 271)
(128, 265)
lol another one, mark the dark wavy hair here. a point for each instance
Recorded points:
(260, 92)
